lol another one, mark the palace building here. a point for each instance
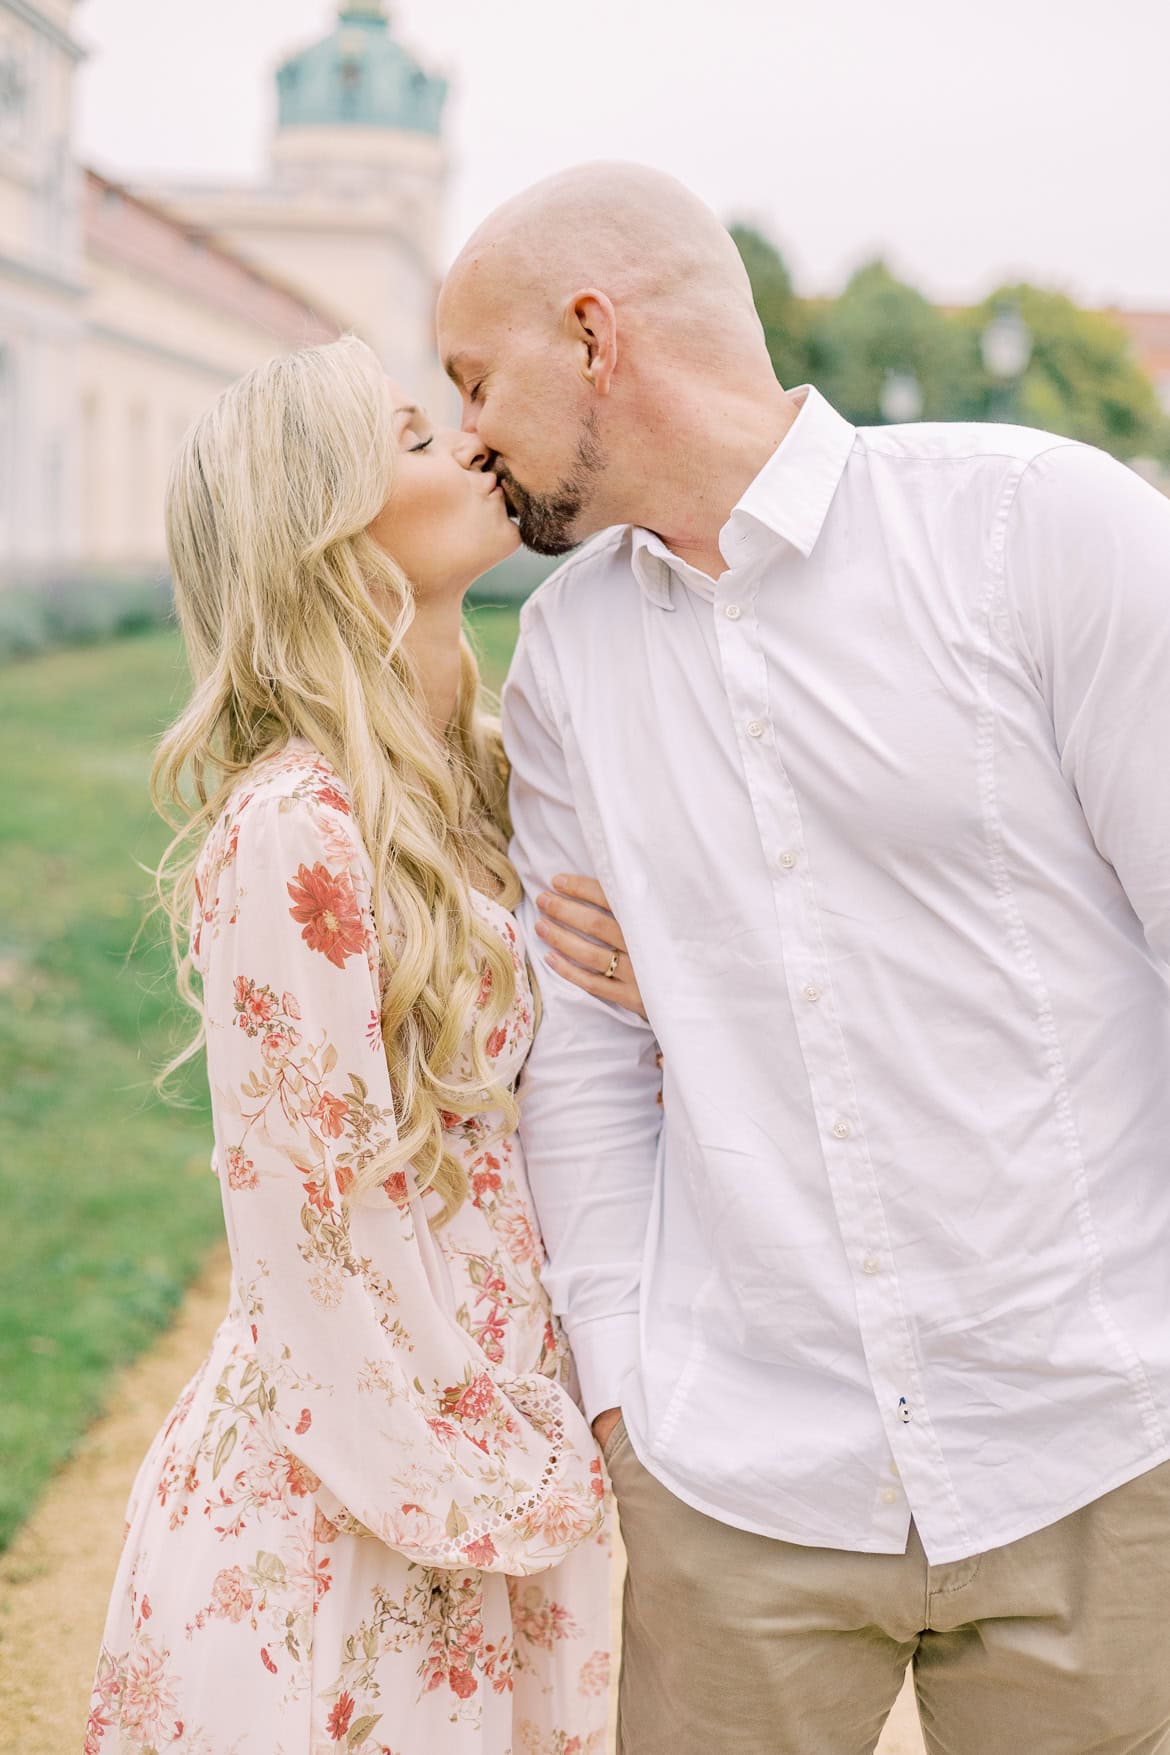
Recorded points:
(123, 311)
(352, 208)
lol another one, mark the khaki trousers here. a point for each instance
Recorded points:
(735, 1644)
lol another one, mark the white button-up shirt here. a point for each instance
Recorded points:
(885, 816)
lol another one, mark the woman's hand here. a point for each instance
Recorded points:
(586, 943)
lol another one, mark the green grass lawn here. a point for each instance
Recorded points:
(109, 1205)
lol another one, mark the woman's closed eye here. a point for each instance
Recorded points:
(422, 444)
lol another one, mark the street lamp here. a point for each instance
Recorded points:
(1006, 347)
(900, 398)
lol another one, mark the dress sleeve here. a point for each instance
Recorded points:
(365, 1376)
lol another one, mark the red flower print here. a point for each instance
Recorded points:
(330, 795)
(241, 1172)
(343, 1176)
(560, 1519)
(470, 1401)
(330, 1112)
(256, 1005)
(300, 1479)
(485, 1182)
(230, 1597)
(326, 909)
(96, 1726)
(318, 1197)
(495, 1042)
(303, 1424)
(480, 1553)
(278, 1045)
(594, 1677)
(395, 1186)
(463, 1683)
(338, 1721)
(289, 1006)
(267, 1661)
(323, 1530)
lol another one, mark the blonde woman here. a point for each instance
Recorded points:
(375, 1519)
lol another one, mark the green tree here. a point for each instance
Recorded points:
(880, 327)
(1081, 380)
(785, 317)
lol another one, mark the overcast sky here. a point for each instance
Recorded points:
(966, 140)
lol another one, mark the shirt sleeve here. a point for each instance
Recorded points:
(365, 1376)
(1087, 569)
(589, 1119)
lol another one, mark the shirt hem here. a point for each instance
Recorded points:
(940, 1555)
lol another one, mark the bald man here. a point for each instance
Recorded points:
(866, 734)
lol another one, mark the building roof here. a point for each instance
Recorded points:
(1149, 332)
(150, 239)
(359, 76)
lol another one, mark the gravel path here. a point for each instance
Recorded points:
(55, 1579)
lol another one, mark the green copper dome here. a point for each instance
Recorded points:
(359, 75)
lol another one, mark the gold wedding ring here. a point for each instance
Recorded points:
(613, 963)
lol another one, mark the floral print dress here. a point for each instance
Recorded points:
(375, 1520)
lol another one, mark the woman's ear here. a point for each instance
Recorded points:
(592, 324)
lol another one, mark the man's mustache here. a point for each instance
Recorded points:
(514, 496)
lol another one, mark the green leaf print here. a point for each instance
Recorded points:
(360, 1729)
(227, 1443)
(456, 1521)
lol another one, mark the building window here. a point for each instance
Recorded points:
(15, 86)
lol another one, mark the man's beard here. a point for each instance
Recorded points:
(547, 522)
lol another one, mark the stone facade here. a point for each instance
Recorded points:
(171, 317)
(42, 289)
(122, 315)
(352, 207)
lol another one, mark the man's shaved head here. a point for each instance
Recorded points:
(582, 320)
(636, 233)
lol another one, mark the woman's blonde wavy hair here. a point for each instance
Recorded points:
(293, 619)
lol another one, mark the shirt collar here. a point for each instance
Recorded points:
(790, 497)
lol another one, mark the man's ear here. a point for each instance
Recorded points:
(591, 322)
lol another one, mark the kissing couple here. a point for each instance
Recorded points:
(743, 1080)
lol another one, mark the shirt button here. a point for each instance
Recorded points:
(841, 1130)
(811, 993)
(755, 728)
(787, 861)
(732, 612)
(871, 1265)
(889, 1496)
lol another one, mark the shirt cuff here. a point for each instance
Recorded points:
(606, 1354)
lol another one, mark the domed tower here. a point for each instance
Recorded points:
(352, 211)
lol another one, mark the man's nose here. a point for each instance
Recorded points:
(471, 451)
